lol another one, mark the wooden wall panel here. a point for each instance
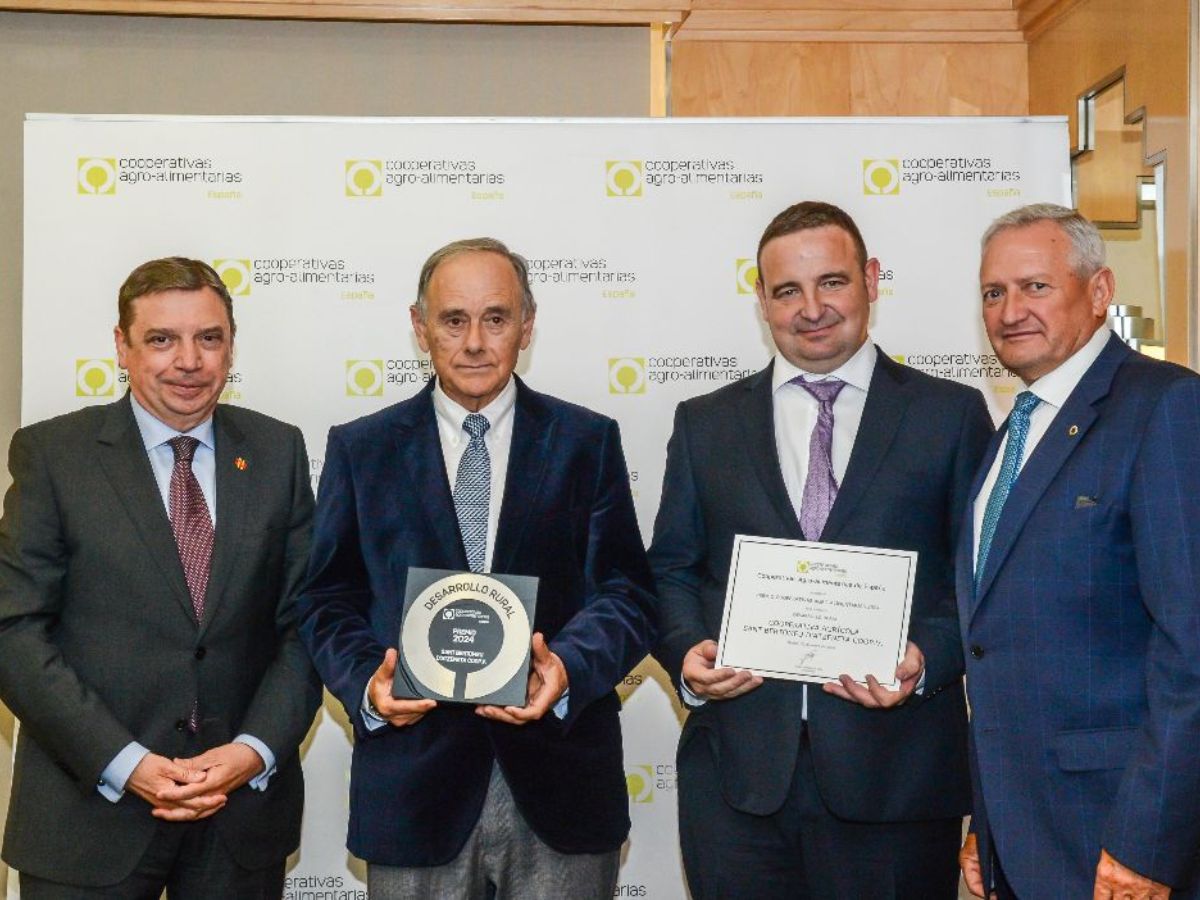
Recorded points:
(741, 78)
(1087, 44)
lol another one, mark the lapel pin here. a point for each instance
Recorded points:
(1072, 431)
(240, 464)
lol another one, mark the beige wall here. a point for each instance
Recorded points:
(67, 63)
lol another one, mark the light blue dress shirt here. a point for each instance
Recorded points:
(155, 435)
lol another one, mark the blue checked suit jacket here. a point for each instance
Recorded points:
(1083, 639)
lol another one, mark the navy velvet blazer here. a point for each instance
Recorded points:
(1083, 640)
(905, 487)
(567, 517)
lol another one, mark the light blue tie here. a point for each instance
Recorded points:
(1018, 431)
(473, 491)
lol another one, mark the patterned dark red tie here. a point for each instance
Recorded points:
(190, 522)
(193, 534)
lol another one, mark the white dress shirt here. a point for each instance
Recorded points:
(795, 411)
(156, 437)
(1052, 389)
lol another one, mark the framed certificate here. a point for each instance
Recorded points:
(807, 611)
(464, 637)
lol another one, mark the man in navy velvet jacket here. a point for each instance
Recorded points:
(457, 800)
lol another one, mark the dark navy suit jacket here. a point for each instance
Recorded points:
(568, 518)
(905, 487)
(1083, 640)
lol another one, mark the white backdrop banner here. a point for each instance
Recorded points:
(641, 238)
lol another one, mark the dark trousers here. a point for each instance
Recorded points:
(804, 851)
(188, 860)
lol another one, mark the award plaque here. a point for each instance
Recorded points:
(464, 637)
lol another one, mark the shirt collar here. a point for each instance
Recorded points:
(856, 371)
(156, 432)
(450, 414)
(1056, 386)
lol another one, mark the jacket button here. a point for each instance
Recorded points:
(181, 724)
(976, 651)
(200, 652)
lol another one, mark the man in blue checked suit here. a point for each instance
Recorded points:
(478, 471)
(1078, 575)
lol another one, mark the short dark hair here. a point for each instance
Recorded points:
(171, 273)
(807, 215)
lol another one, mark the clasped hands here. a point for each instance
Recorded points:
(183, 790)
(705, 680)
(547, 683)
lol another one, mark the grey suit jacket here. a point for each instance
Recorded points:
(99, 645)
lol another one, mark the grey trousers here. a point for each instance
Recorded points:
(502, 859)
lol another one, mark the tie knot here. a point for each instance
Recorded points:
(1025, 403)
(476, 425)
(825, 391)
(184, 447)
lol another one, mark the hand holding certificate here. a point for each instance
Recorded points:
(806, 611)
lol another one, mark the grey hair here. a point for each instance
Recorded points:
(477, 245)
(1087, 247)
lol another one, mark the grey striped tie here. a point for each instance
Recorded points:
(473, 490)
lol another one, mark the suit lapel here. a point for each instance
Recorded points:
(1051, 453)
(233, 484)
(887, 400)
(123, 458)
(418, 444)
(529, 455)
(759, 424)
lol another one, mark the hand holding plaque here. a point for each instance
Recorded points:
(465, 637)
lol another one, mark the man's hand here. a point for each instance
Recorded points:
(968, 861)
(705, 680)
(225, 769)
(547, 683)
(396, 712)
(875, 695)
(158, 780)
(1115, 882)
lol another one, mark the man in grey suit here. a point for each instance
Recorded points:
(149, 554)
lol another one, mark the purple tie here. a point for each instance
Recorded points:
(190, 522)
(193, 531)
(820, 486)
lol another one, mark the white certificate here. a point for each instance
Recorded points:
(807, 611)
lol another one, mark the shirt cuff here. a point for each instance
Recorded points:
(113, 779)
(370, 720)
(920, 688)
(690, 698)
(560, 708)
(259, 781)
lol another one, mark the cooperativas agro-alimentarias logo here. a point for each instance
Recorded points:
(623, 177)
(364, 378)
(95, 377)
(627, 375)
(747, 276)
(96, 175)
(236, 275)
(639, 783)
(364, 178)
(881, 177)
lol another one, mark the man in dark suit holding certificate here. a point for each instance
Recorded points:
(479, 472)
(150, 551)
(839, 790)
